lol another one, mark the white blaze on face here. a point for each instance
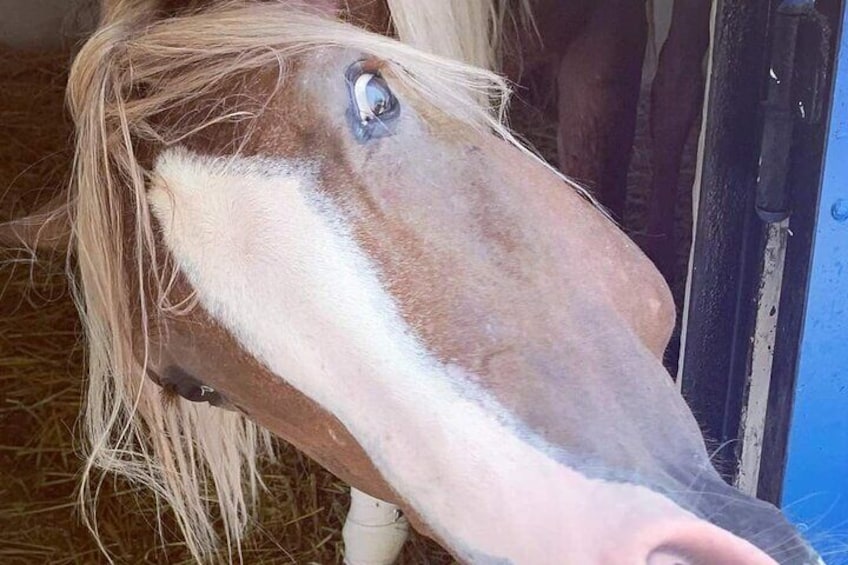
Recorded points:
(277, 268)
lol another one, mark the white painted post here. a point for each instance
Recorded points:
(374, 531)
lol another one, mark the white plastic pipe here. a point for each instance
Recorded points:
(374, 531)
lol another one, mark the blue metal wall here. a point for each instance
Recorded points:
(815, 492)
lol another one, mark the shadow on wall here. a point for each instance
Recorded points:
(45, 24)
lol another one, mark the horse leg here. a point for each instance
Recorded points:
(598, 81)
(675, 101)
(374, 531)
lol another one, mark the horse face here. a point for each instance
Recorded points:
(487, 337)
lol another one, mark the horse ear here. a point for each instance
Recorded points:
(49, 228)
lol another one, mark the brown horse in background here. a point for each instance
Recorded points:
(596, 50)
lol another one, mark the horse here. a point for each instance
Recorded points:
(595, 51)
(286, 224)
(591, 53)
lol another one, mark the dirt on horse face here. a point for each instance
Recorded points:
(319, 226)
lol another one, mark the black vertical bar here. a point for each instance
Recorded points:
(729, 237)
(814, 89)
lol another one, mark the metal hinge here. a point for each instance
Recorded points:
(797, 78)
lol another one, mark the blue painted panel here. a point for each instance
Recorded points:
(815, 491)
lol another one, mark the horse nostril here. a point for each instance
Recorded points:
(696, 542)
(667, 557)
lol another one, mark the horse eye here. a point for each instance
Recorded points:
(373, 107)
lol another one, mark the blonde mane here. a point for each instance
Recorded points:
(465, 30)
(199, 460)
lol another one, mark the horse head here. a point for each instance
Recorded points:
(285, 220)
